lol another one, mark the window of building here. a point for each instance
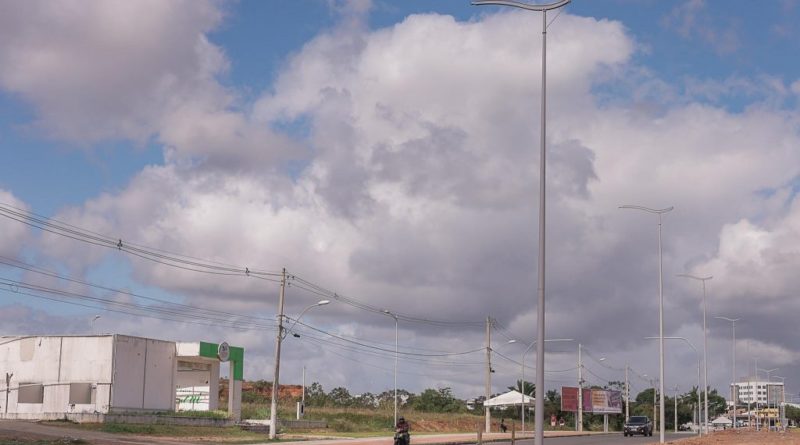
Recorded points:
(30, 393)
(80, 393)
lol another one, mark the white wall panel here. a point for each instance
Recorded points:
(128, 383)
(161, 366)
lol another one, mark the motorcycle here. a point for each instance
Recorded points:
(401, 437)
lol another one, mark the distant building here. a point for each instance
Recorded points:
(50, 376)
(758, 392)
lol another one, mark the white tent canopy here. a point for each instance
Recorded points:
(722, 421)
(511, 398)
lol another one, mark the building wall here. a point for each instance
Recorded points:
(759, 392)
(144, 374)
(69, 374)
(52, 375)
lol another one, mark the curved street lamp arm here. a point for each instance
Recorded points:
(686, 275)
(648, 209)
(521, 5)
(289, 329)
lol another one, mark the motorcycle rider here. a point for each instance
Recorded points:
(402, 437)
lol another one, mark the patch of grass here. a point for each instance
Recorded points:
(161, 430)
(128, 428)
(218, 414)
(61, 441)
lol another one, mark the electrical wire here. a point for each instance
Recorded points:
(156, 255)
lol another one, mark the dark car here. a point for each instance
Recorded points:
(638, 425)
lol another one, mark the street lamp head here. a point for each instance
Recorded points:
(511, 341)
(323, 302)
(686, 275)
(521, 5)
(95, 317)
(647, 209)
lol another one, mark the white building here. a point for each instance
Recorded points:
(50, 376)
(759, 392)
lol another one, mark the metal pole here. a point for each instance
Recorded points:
(522, 389)
(705, 352)
(660, 333)
(273, 412)
(660, 311)
(303, 401)
(395, 369)
(539, 394)
(488, 389)
(627, 395)
(522, 384)
(734, 385)
(675, 426)
(705, 341)
(580, 390)
(699, 429)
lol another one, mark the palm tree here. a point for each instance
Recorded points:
(525, 387)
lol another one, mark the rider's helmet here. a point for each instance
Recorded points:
(401, 419)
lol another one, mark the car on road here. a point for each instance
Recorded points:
(638, 425)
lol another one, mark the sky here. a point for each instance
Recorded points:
(164, 161)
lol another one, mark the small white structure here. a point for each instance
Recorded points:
(721, 422)
(51, 376)
(511, 398)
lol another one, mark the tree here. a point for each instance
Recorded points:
(315, 395)
(525, 387)
(340, 397)
(793, 414)
(552, 404)
(716, 404)
(366, 400)
(433, 400)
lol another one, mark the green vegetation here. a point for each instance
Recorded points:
(60, 441)
(162, 430)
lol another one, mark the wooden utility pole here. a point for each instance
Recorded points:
(273, 413)
(488, 373)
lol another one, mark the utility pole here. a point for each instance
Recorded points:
(8, 387)
(627, 395)
(301, 412)
(488, 373)
(273, 412)
(676, 409)
(580, 391)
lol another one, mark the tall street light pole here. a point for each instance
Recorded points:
(769, 380)
(705, 341)
(93, 320)
(539, 402)
(522, 380)
(735, 387)
(658, 212)
(697, 355)
(389, 313)
(273, 409)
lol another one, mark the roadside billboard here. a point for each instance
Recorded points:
(596, 401)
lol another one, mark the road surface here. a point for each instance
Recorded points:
(603, 439)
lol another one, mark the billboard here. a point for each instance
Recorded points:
(596, 401)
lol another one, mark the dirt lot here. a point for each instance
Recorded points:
(740, 437)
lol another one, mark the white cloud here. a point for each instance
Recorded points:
(795, 87)
(420, 191)
(13, 235)
(109, 69)
(691, 20)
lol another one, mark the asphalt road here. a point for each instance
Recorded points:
(602, 439)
